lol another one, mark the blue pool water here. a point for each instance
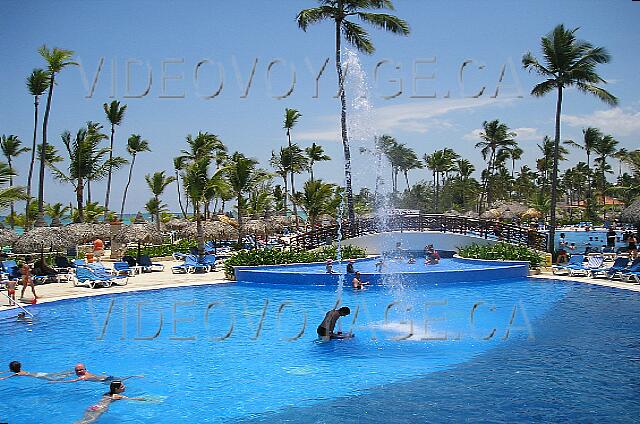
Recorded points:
(555, 355)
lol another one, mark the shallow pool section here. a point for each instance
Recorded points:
(447, 271)
(523, 349)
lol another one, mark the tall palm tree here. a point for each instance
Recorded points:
(340, 12)
(115, 115)
(296, 162)
(621, 155)
(157, 182)
(316, 198)
(496, 137)
(195, 181)
(57, 212)
(135, 144)
(315, 153)
(590, 137)
(279, 163)
(291, 117)
(464, 168)
(440, 162)
(243, 176)
(57, 59)
(567, 63)
(178, 165)
(605, 148)
(10, 146)
(37, 84)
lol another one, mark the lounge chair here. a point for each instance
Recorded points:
(62, 263)
(86, 276)
(574, 261)
(190, 266)
(148, 266)
(123, 268)
(11, 269)
(593, 262)
(210, 261)
(618, 266)
(130, 260)
(630, 273)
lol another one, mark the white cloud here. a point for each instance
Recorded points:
(616, 121)
(473, 135)
(409, 117)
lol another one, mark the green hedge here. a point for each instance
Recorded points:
(504, 251)
(281, 257)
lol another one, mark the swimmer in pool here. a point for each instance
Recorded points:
(16, 368)
(84, 375)
(115, 393)
(357, 282)
(325, 329)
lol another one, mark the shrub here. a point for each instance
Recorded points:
(504, 251)
(281, 257)
(164, 249)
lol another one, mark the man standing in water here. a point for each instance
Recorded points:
(325, 329)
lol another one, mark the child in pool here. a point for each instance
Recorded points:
(95, 411)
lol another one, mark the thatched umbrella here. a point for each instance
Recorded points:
(508, 214)
(255, 226)
(452, 212)
(210, 229)
(531, 213)
(87, 232)
(226, 220)
(471, 214)
(55, 222)
(515, 207)
(139, 219)
(632, 213)
(138, 233)
(490, 214)
(177, 223)
(39, 238)
(7, 237)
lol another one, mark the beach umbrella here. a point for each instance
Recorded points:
(139, 219)
(55, 222)
(210, 229)
(515, 207)
(490, 214)
(177, 223)
(138, 233)
(508, 214)
(87, 232)
(226, 220)
(632, 213)
(531, 213)
(452, 212)
(471, 214)
(255, 226)
(7, 237)
(40, 238)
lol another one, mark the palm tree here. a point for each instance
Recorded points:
(278, 162)
(10, 146)
(567, 62)
(157, 182)
(315, 153)
(195, 181)
(57, 212)
(57, 59)
(340, 11)
(9, 195)
(135, 145)
(605, 148)
(178, 166)
(590, 137)
(464, 168)
(316, 199)
(496, 137)
(621, 155)
(291, 117)
(243, 176)
(295, 161)
(115, 115)
(100, 164)
(37, 84)
(440, 162)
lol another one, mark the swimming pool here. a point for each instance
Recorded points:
(561, 359)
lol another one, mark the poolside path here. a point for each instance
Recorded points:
(147, 281)
(593, 281)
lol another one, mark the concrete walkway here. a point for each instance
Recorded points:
(148, 281)
(617, 284)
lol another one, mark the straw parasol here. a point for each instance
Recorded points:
(210, 229)
(531, 213)
(7, 237)
(86, 232)
(452, 212)
(177, 223)
(490, 214)
(40, 238)
(508, 214)
(471, 214)
(226, 220)
(255, 226)
(139, 219)
(138, 233)
(515, 207)
(632, 213)
(55, 222)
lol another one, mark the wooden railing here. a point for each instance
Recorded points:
(488, 229)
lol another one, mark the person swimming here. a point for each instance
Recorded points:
(357, 282)
(325, 329)
(84, 375)
(116, 388)
(16, 368)
(350, 268)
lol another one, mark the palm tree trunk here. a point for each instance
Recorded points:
(311, 168)
(33, 159)
(240, 223)
(184, 214)
(554, 176)
(126, 188)
(157, 198)
(293, 203)
(199, 231)
(79, 199)
(286, 193)
(11, 209)
(88, 190)
(106, 199)
(343, 123)
(40, 222)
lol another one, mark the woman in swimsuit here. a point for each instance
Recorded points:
(95, 411)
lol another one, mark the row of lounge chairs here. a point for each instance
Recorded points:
(193, 263)
(594, 267)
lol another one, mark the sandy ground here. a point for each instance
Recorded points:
(149, 281)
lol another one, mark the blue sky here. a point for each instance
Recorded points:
(170, 38)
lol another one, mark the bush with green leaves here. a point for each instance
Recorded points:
(166, 249)
(281, 257)
(503, 251)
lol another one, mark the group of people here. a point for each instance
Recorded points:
(116, 386)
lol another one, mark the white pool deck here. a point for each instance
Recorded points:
(156, 280)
